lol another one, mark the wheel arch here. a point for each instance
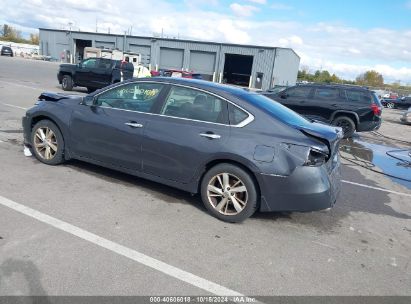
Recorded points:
(212, 163)
(41, 117)
(354, 116)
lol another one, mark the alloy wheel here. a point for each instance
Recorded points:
(227, 194)
(45, 143)
(390, 105)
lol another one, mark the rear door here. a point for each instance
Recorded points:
(111, 130)
(295, 97)
(192, 126)
(323, 103)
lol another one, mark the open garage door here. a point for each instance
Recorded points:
(80, 45)
(171, 59)
(237, 69)
(144, 51)
(203, 63)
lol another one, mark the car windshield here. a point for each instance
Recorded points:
(277, 110)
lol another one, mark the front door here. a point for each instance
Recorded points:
(111, 129)
(83, 76)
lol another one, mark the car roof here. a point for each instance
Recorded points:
(198, 83)
(333, 85)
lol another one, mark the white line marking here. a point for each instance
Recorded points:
(376, 188)
(134, 255)
(21, 85)
(13, 106)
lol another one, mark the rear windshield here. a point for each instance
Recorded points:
(376, 99)
(277, 110)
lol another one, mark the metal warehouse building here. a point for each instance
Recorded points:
(258, 67)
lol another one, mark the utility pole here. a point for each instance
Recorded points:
(96, 25)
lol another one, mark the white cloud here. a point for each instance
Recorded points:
(258, 1)
(243, 10)
(281, 6)
(344, 50)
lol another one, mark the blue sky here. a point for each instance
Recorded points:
(344, 37)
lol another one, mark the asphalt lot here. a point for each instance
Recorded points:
(106, 232)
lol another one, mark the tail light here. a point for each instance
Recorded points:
(376, 109)
(316, 158)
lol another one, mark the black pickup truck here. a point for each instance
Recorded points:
(94, 73)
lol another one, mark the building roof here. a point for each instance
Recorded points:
(179, 40)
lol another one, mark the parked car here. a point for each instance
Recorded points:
(352, 108)
(241, 151)
(6, 51)
(397, 103)
(176, 73)
(406, 116)
(94, 73)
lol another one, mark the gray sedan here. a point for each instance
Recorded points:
(239, 150)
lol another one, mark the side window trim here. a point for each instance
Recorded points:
(161, 99)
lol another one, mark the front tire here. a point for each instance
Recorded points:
(67, 83)
(390, 105)
(47, 143)
(229, 193)
(347, 124)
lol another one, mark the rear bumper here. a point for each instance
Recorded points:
(307, 189)
(369, 125)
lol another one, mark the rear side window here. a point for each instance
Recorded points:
(236, 114)
(193, 104)
(298, 92)
(326, 93)
(358, 96)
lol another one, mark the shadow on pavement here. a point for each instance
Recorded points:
(30, 273)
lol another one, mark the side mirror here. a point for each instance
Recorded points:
(88, 100)
(79, 65)
(283, 95)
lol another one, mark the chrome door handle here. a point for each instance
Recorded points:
(211, 136)
(134, 124)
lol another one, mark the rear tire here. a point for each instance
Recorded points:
(67, 83)
(347, 124)
(390, 105)
(47, 143)
(229, 193)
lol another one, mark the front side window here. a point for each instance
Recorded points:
(193, 104)
(298, 92)
(134, 97)
(89, 63)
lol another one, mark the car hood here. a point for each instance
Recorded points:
(67, 65)
(60, 97)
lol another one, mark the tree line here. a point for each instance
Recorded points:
(11, 34)
(371, 79)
